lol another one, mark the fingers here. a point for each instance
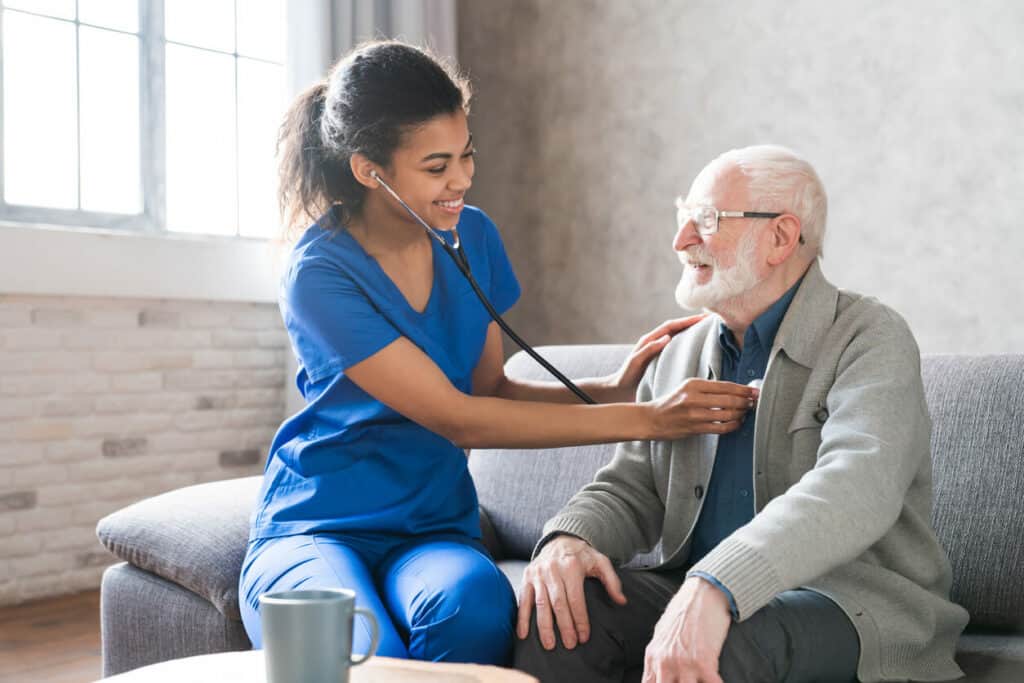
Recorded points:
(715, 421)
(721, 402)
(652, 347)
(535, 595)
(545, 622)
(554, 586)
(578, 608)
(718, 387)
(646, 353)
(525, 609)
(610, 579)
(679, 324)
(672, 327)
(722, 427)
(708, 394)
(657, 670)
(563, 616)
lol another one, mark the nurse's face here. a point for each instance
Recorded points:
(433, 169)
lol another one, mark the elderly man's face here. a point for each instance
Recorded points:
(720, 267)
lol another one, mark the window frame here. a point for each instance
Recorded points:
(62, 252)
(47, 255)
(151, 138)
(152, 220)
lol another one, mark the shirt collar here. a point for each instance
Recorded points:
(764, 328)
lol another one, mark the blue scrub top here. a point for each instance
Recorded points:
(347, 462)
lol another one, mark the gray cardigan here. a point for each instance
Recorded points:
(842, 478)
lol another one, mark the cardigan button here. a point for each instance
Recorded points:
(698, 491)
(821, 415)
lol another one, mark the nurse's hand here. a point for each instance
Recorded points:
(625, 381)
(701, 406)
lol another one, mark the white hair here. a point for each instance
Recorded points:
(780, 180)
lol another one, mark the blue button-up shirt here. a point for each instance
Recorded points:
(729, 502)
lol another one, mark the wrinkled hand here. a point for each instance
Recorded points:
(702, 406)
(553, 582)
(688, 638)
(626, 380)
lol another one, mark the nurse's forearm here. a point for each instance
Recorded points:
(498, 423)
(601, 389)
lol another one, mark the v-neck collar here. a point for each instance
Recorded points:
(396, 292)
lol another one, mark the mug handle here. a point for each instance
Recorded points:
(374, 639)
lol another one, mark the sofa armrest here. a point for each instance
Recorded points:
(194, 537)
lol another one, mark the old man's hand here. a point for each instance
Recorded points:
(688, 638)
(553, 583)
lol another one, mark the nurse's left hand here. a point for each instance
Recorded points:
(626, 380)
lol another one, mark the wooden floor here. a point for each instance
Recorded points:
(51, 641)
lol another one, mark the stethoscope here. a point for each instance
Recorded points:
(457, 255)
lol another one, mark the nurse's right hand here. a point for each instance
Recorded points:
(701, 406)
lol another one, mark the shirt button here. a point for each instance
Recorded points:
(744, 493)
(750, 373)
(698, 491)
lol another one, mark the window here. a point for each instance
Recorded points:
(142, 115)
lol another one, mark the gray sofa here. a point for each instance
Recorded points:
(175, 593)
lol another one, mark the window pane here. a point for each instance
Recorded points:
(120, 14)
(261, 29)
(109, 76)
(40, 136)
(64, 9)
(201, 174)
(260, 108)
(204, 23)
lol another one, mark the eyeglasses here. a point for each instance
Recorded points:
(706, 217)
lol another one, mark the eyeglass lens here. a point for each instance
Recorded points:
(706, 219)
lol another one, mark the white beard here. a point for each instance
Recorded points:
(725, 284)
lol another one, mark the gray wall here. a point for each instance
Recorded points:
(591, 116)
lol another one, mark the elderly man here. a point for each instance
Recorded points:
(796, 547)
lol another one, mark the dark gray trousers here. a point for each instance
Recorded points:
(799, 637)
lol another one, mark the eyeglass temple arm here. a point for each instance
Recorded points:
(748, 214)
(753, 214)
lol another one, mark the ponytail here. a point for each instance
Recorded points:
(311, 175)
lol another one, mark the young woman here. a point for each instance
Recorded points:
(401, 368)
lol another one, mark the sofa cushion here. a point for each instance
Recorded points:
(977, 410)
(513, 571)
(991, 658)
(522, 488)
(194, 537)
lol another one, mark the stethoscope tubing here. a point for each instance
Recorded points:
(458, 255)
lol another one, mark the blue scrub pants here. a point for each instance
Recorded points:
(436, 598)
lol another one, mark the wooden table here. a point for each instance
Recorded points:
(247, 667)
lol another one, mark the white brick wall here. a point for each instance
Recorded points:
(104, 402)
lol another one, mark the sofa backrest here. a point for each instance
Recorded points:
(977, 408)
(521, 488)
